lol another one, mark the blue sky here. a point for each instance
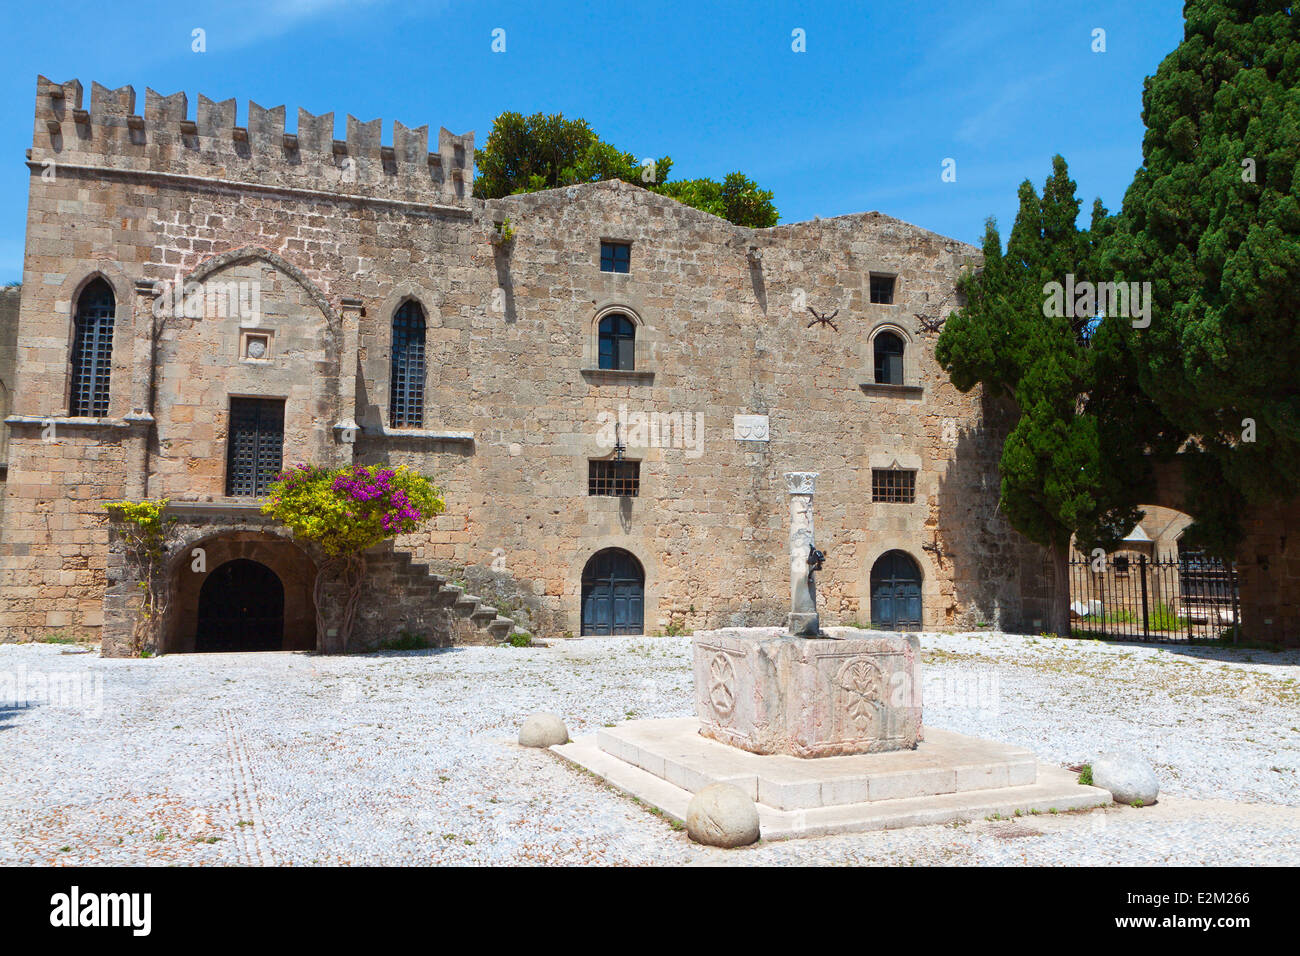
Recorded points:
(862, 120)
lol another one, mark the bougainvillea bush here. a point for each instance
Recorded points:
(346, 511)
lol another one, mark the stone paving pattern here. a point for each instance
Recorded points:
(409, 758)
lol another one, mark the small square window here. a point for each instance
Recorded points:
(618, 479)
(615, 256)
(882, 290)
(893, 485)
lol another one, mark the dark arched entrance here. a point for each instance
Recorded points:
(896, 592)
(613, 594)
(241, 608)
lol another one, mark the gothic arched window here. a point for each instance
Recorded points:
(92, 351)
(406, 376)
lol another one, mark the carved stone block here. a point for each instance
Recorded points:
(768, 692)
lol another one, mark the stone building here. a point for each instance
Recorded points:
(608, 397)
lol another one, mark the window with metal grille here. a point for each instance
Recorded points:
(406, 376)
(882, 290)
(255, 445)
(619, 479)
(617, 343)
(889, 359)
(615, 256)
(893, 485)
(92, 351)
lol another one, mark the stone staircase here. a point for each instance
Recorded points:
(417, 585)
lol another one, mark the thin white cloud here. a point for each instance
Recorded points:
(249, 22)
(993, 118)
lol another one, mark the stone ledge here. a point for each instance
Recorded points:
(617, 376)
(225, 508)
(66, 421)
(421, 434)
(892, 391)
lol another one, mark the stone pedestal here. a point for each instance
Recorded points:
(768, 692)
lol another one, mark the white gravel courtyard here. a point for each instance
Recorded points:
(410, 758)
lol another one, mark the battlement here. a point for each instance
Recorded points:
(165, 140)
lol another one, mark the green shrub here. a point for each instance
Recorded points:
(405, 641)
(521, 639)
(1163, 618)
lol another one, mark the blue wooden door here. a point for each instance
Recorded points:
(613, 594)
(896, 592)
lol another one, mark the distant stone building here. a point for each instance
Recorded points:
(608, 399)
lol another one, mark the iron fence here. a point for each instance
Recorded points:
(1185, 597)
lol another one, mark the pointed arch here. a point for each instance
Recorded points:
(407, 365)
(247, 254)
(91, 355)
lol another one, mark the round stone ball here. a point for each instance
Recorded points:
(722, 815)
(543, 730)
(1128, 777)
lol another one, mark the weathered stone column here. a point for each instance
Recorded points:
(803, 620)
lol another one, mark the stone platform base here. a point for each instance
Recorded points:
(947, 777)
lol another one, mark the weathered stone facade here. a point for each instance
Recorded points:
(336, 235)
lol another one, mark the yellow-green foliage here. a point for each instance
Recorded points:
(143, 521)
(346, 510)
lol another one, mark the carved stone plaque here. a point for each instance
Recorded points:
(750, 427)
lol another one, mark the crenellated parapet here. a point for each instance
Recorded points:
(166, 140)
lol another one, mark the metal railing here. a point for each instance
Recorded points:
(1187, 597)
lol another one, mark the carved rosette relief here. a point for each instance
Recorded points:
(722, 685)
(861, 691)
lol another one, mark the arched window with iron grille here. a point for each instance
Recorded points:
(92, 351)
(406, 380)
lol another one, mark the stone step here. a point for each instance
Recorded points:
(1053, 789)
(448, 595)
(421, 586)
(465, 604)
(944, 762)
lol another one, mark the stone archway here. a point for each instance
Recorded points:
(194, 623)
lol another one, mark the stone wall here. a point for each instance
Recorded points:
(10, 300)
(514, 406)
(1268, 564)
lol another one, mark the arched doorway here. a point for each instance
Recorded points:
(241, 608)
(896, 592)
(613, 594)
